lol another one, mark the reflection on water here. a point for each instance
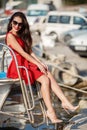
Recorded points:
(43, 127)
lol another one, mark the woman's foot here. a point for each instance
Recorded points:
(52, 117)
(69, 107)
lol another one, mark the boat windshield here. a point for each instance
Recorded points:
(37, 12)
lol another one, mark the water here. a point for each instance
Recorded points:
(43, 127)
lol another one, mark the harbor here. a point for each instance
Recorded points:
(22, 106)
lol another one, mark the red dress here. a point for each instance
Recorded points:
(33, 70)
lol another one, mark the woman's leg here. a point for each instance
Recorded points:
(45, 90)
(57, 90)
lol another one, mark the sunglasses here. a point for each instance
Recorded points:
(16, 23)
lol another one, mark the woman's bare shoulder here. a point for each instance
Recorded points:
(10, 36)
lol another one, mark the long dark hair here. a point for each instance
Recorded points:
(24, 32)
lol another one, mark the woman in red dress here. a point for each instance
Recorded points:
(18, 37)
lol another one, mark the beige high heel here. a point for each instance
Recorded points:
(53, 117)
(69, 109)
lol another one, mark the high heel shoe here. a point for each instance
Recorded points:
(53, 117)
(70, 108)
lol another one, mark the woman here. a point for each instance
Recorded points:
(19, 39)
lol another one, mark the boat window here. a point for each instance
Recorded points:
(37, 12)
(64, 19)
(78, 20)
(53, 19)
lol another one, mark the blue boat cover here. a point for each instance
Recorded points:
(2, 75)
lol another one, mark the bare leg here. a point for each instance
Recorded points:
(57, 90)
(45, 90)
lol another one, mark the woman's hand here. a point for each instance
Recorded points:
(42, 68)
(45, 66)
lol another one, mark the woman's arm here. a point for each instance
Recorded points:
(36, 58)
(11, 40)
